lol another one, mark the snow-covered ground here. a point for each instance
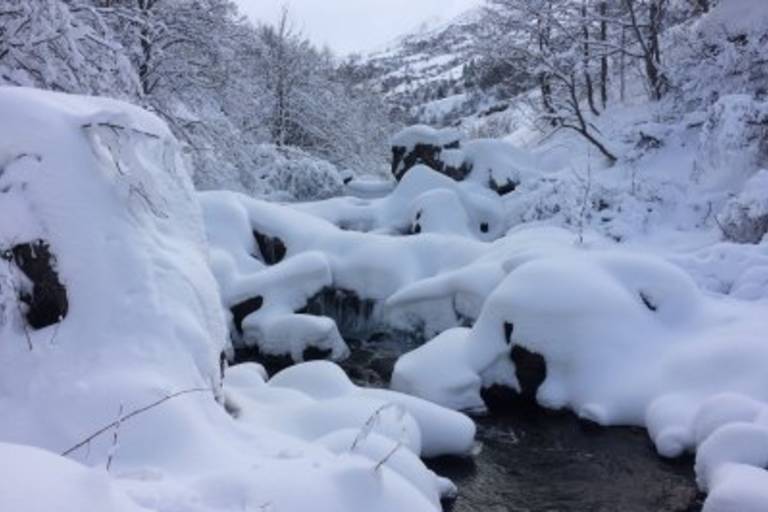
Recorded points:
(112, 393)
(644, 285)
(635, 294)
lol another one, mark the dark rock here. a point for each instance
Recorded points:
(316, 354)
(243, 309)
(530, 369)
(47, 302)
(253, 354)
(272, 249)
(503, 189)
(274, 364)
(509, 329)
(353, 315)
(426, 154)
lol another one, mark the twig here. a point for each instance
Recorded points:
(369, 424)
(117, 127)
(388, 456)
(130, 415)
(115, 437)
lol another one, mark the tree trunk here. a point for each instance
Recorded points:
(586, 59)
(603, 10)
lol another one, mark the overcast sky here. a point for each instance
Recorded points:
(349, 26)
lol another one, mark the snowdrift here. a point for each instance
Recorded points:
(112, 331)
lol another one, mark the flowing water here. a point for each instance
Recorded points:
(537, 461)
(532, 460)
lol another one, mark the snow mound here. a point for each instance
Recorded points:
(644, 331)
(428, 430)
(424, 201)
(39, 481)
(124, 372)
(621, 340)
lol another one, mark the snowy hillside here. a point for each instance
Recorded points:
(429, 65)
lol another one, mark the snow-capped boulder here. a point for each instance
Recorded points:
(626, 331)
(103, 186)
(422, 144)
(490, 163)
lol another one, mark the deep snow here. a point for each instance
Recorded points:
(103, 184)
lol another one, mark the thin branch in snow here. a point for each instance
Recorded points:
(388, 456)
(117, 127)
(115, 438)
(370, 423)
(130, 415)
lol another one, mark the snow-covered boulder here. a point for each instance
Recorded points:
(490, 163)
(615, 331)
(103, 186)
(424, 201)
(422, 144)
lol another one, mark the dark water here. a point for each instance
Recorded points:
(539, 461)
(543, 462)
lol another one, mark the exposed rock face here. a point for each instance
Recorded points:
(46, 301)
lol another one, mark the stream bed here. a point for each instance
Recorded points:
(538, 461)
(533, 460)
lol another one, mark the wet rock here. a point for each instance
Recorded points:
(243, 309)
(530, 370)
(47, 301)
(354, 315)
(503, 189)
(274, 363)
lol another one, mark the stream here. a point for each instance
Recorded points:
(533, 460)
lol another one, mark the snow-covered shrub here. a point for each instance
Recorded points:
(733, 142)
(745, 217)
(295, 175)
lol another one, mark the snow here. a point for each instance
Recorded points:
(103, 184)
(39, 481)
(412, 136)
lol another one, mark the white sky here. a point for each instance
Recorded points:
(349, 26)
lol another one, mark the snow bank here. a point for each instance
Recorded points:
(624, 339)
(34, 480)
(101, 183)
(320, 255)
(423, 427)
(425, 201)
(644, 331)
(412, 136)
